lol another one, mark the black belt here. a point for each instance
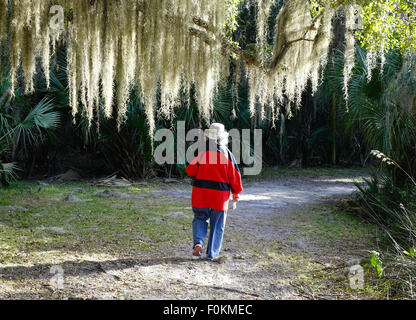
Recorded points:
(208, 184)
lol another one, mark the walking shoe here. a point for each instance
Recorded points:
(197, 250)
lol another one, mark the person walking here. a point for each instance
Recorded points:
(215, 174)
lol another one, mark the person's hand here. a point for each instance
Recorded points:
(236, 197)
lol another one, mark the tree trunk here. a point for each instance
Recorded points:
(333, 126)
(282, 132)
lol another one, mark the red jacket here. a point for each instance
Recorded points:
(216, 174)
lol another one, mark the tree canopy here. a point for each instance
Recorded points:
(170, 48)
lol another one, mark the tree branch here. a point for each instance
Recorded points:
(226, 43)
(278, 59)
(232, 47)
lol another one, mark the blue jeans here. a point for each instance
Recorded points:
(200, 227)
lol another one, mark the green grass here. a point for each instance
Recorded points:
(117, 225)
(331, 227)
(340, 237)
(331, 239)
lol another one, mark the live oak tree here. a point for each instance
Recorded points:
(167, 47)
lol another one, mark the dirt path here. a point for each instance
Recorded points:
(276, 242)
(258, 247)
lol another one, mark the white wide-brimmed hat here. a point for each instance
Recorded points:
(217, 132)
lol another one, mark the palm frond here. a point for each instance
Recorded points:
(8, 173)
(40, 117)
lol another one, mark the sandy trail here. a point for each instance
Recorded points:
(251, 230)
(260, 250)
